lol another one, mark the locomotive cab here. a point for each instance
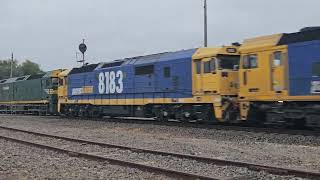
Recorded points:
(63, 88)
(216, 78)
(216, 71)
(50, 83)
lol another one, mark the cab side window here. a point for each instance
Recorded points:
(48, 82)
(277, 60)
(250, 61)
(55, 81)
(209, 66)
(316, 69)
(61, 82)
(144, 70)
(206, 68)
(198, 67)
(166, 72)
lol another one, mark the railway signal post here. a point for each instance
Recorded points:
(83, 49)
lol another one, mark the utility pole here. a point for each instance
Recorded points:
(11, 66)
(205, 25)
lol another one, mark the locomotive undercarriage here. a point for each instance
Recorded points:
(296, 114)
(160, 112)
(33, 109)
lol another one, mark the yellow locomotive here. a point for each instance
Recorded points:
(280, 78)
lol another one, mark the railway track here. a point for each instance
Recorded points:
(215, 126)
(145, 167)
(210, 126)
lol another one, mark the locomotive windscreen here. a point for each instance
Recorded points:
(228, 61)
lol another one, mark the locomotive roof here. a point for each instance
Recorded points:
(160, 57)
(83, 69)
(64, 73)
(210, 52)
(260, 42)
(14, 79)
(306, 34)
(302, 36)
(26, 77)
(136, 60)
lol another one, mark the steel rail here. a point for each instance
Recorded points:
(207, 125)
(210, 126)
(143, 167)
(250, 166)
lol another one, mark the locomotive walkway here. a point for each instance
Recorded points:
(149, 168)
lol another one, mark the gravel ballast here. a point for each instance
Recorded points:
(289, 151)
(26, 162)
(167, 162)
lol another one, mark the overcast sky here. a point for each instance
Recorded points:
(49, 31)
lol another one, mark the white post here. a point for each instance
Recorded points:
(11, 66)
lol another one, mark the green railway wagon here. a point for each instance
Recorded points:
(31, 94)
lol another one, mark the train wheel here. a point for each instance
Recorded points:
(312, 121)
(256, 116)
(163, 116)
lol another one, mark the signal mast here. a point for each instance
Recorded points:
(82, 49)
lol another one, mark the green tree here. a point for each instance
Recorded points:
(26, 68)
(29, 68)
(5, 66)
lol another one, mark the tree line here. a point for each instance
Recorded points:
(25, 68)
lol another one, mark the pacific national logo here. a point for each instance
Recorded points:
(76, 91)
(82, 90)
(315, 87)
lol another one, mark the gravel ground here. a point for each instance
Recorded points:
(291, 151)
(168, 162)
(25, 162)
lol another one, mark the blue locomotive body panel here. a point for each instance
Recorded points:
(304, 68)
(166, 75)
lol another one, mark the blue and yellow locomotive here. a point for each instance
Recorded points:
(196, 84)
